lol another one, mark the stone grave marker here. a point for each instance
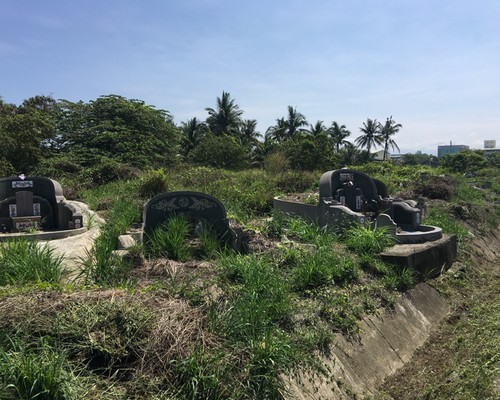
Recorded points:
(195, 206)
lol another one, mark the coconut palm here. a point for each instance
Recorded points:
(287, 128)
(192, 131)
(226, 118)
(389, 129)
(249, 136)
(317, 128)
(277, 132)
(338, 133)
(294, 122)
(371, 137)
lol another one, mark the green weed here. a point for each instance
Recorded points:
(441, 218)
(364, 240)
(38, 372)
(23, 261)
(398, 278)
(171, 239)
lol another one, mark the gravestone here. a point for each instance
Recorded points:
(36, 199)
(197, 207)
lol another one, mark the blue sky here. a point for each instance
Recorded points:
(433, 65)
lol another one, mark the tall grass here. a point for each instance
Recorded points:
(441, 218)
(35, 373)
(364, 240)
(23, 261)
(321, 267)
(171, 239)
(100, 265)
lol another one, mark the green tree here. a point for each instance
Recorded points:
(371, 136)
(226, 117)
(465, 161)
(221, 151)
(349, 155)
(192, 131)
(317, 128)
(309, 152)
(26, 132)
(387, 131)
(287, 128)
(115, 128)
(338, 133)
(249, 136)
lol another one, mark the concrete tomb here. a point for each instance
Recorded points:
(36, 203)
(347, 196)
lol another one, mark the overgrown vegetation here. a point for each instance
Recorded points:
(196, 320)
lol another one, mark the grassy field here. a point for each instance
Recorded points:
(194, 320)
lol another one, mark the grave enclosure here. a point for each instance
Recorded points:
(36, 204)
(349, 197)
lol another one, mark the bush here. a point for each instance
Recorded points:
(109, 170)
(155, 182)
(219, 151)
(438, 188)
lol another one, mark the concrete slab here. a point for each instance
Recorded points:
(428, 259)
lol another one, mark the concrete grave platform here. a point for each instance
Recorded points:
(427, 258)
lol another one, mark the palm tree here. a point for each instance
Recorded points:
(249, 135)
(349, 155)
(338, 133)
(389, 129)
(371, 137)
(287, 128)
(192, 131)
(226, 118)
(294, 122)
(317, 128)
(277, 132)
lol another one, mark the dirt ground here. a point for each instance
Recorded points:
(431, 364)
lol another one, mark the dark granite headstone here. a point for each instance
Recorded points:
(197, 207)
(36, 197)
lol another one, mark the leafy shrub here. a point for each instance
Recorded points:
(296, 181)
(465, 161)
(155, 182)
(276, 163)
(109, 170)
(219, 151)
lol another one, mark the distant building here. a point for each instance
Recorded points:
(451, 149)
(490, 144)
(490, 147)
(379, 155)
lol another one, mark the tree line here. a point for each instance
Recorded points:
(114, 135)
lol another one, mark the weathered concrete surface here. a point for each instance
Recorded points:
(426, 258)
(386, 342)
(74, 248)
